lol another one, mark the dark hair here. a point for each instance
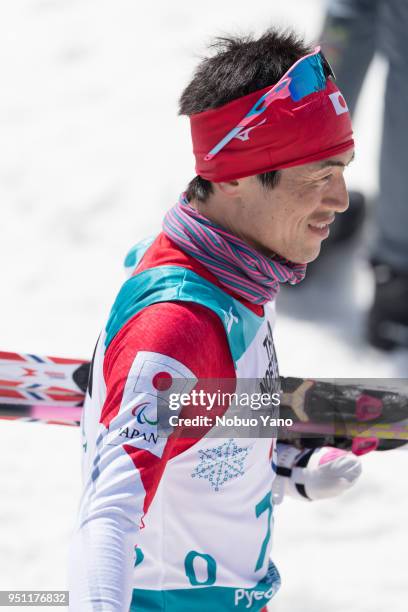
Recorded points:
(238, 66)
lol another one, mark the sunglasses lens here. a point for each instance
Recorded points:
(307, 77)
(328, 70)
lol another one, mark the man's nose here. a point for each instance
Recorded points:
(337, 198)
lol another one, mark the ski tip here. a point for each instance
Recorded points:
(362, 446)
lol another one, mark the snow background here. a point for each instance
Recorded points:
(89, 93)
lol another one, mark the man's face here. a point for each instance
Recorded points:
(293, 218)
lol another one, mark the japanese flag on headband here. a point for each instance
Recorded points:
(288, 133)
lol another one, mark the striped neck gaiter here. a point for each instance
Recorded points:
(239, 267)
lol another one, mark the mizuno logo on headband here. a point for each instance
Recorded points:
(244, 134)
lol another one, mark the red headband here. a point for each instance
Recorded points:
(287, 134)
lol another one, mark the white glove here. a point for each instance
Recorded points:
(312, 474)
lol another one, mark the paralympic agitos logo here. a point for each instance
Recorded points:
(139, 412)
(133, 433)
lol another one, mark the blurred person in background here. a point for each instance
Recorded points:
(353, 32)
(184, 523)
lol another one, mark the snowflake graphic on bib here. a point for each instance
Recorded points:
(221, 463)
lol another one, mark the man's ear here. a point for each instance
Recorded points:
(229, 188)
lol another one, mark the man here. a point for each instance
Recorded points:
(179, 522)
(353, 32)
